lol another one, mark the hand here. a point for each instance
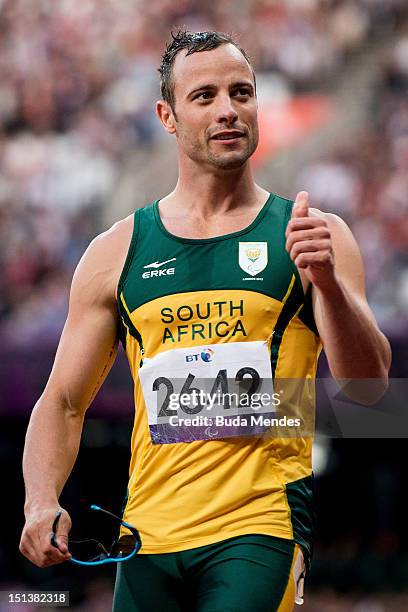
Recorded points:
(309, 243)
(35, 543)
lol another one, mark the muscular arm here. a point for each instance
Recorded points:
(84, 357)
(354, 345)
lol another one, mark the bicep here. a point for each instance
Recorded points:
(88, 344)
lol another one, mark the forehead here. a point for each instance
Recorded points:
(220, 65)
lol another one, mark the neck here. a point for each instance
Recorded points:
(207, 192)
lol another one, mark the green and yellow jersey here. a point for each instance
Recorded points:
(233, 304)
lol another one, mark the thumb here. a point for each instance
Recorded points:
(63, 529)
(301, 205)
(62, 541)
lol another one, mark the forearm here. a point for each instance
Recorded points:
(51, 448)
(354, 346)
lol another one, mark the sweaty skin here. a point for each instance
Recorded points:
(215, 194)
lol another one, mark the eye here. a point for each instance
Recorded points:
(242, 92)
(204, 95)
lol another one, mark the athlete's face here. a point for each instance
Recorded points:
(215, 118)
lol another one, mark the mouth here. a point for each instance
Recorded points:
(228, 137)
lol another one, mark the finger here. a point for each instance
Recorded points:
(57, 554)
(318, 259)
(26, 548)
(30, 545)
(302, 223)
(60, 530)
(60, 538)
(316, 233)
(42, 560)
(309, 246)
(47, 554)
(301, 205)
(33, 553)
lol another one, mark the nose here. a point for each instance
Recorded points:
(226, 112)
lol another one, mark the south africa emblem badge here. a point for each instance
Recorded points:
(253, 257)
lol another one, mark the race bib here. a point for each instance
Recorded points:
(208, 392)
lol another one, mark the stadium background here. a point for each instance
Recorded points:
(80, 147)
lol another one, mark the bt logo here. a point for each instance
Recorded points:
(206, 355)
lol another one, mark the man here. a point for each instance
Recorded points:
(221, 272)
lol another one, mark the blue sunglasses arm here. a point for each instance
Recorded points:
(103, 561)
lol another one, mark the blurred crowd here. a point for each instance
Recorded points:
(366, 183)
(78, 81)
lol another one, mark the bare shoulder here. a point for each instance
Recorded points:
(102, 263)
(114, 241)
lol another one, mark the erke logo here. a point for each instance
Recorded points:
(158, 264)
(206, 355)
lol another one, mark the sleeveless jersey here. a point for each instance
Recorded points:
(183, 304)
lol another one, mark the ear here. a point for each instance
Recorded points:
(166, 116)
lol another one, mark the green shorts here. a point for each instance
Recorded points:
(249, 573)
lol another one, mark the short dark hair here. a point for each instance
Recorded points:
(193, 42)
